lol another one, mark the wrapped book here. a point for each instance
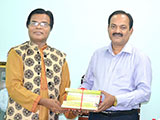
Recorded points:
(82, 99)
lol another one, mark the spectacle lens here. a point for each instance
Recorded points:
(42, 24)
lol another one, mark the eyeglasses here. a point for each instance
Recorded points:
(42, 24)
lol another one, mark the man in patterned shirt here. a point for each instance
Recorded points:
(36, 74)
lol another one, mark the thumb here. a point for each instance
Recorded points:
(103, 92)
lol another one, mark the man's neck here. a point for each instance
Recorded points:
(40, 44)
(117, 49)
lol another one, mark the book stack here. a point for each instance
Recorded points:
(82, 99)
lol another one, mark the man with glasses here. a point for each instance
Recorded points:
(120, 71)
(36, 74)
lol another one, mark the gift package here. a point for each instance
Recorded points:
(82, 99)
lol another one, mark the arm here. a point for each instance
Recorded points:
(88, 79)
(14, 83)
(142, 76)
(65, 83)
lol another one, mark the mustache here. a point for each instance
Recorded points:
(119, 34)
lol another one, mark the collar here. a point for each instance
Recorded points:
(35, 46)
(126, 49)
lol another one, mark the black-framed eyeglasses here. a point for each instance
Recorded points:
(42, 24)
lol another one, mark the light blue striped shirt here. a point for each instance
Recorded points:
(127, 76)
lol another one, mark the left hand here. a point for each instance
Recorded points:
(79, 112)
(107, 103)
(51, 104)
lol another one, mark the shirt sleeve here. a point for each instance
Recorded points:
(142, 77)
(65, 83)
(14, 83)
(89, 77)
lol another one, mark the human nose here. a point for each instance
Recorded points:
(118, 30)
(38, 25)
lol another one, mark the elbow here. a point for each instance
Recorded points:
(9, 88)
(147, 95)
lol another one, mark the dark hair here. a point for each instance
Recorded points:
(122, 12)
(41, 11)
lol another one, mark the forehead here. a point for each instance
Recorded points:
(120, 19)
(40, 18)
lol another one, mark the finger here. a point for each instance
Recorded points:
(76, 113)
(56, 106)
(103, 92)
(85, 111)
(57, 102)
(79, 111)
(57, 112)
(53, 110)
(62, 111)
(101, 107)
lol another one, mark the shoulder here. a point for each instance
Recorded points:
(57, 52)
(19, 49)
(138, 52)
(139, 55)
(100, 51)
(22, 46)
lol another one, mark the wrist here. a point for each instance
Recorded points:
(42, 101)
(115, 101)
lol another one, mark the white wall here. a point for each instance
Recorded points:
(81, 27)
